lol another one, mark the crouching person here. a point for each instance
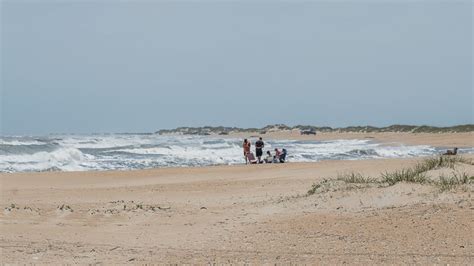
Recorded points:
(269, 157)
(282, 157)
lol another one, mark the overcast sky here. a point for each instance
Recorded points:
(139, 66)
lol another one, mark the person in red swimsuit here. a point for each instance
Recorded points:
(246, 145)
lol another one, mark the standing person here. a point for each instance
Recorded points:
(246, 145)
(259, 149)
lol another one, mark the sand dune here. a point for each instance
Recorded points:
(234, 214)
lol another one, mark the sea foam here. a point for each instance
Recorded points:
(125, 152)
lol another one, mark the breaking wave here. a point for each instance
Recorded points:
(125, 152)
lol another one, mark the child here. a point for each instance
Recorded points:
(269, 157)
(276, 158)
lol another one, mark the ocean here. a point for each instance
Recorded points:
(139, 151)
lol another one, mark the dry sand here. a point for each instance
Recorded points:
(233, 214)
(448, 140)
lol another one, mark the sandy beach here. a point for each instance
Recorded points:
(126, 126)
(447, 140)
(240, 214)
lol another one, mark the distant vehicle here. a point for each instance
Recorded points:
(308, 132)
(451, 152)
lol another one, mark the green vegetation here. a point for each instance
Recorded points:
(207, 130)
(416, 174)
(448, 183)
(356, 178)
(403, 175)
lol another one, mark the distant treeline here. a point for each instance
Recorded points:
(208, 130)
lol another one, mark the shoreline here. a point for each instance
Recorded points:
(215, 166)
(237, 214)
(35, 178)
(68, 157)
(441, 140)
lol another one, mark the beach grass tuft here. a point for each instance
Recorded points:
(446, 183)
(404, 175)
(416, 174)
(356, 178)
(451, 161)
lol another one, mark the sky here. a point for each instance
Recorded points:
(139, 66)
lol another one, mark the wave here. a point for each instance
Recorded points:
(65, 159)
(6, 149)
(119, 152)
(19, 142)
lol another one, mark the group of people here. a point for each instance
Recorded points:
(278, 157)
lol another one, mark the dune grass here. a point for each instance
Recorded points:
(356, 178)
(416, 174)
(449, 182)
(404, 175)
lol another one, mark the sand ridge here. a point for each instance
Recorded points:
(233, 214)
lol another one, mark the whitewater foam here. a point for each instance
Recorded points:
(66, 159)
(120, 152)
